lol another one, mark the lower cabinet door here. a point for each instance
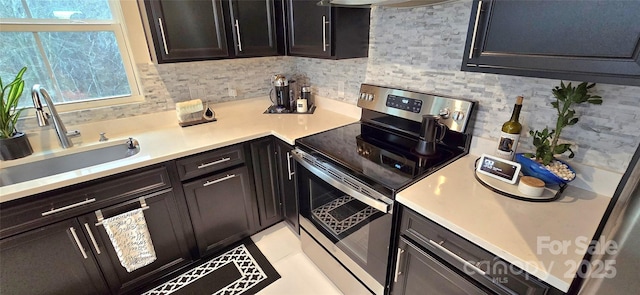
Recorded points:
(417, 272)
(167, 237)
(287, 184)
(263, 154)
(54, 259)
(220, 209)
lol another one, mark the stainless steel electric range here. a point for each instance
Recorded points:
(348, 177)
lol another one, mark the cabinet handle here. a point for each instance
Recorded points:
(208, 183)
(475, 30)
(213, 163)
(164, 40)
(52, 211)
(398, 268)
(93, 239)
(238, 34)
(75, 237)
(289, 157)
(456, 257)
(324, 33)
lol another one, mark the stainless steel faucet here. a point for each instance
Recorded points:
(43, 117)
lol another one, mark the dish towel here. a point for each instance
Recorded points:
(130, 238)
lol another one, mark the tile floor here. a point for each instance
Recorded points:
(299, 276)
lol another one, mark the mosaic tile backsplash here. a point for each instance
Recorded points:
(412, 48)
(421, 49)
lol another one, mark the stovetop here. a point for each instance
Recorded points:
(377, 156)
(380, 149)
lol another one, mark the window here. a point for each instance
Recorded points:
(76, 49)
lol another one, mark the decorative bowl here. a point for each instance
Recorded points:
(532, 168)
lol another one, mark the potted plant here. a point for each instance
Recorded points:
(13, 144)
(546, 142)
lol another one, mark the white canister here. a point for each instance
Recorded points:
(531, 186)
(301, 105)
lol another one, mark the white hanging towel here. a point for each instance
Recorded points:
(130, 238)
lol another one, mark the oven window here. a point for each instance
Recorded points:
(359, 230)
(344, 218)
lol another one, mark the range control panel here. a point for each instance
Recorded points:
(405, 104)
(411, 105)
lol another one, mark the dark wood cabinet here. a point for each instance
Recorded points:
(596, 41)
(287, 184)
(55, 259)
(187, 30)
(263, 154)
(327, 32)
(51, 244)
(418, 271)
(254, 27)
(430, 257)
(220, 206)
(167, 236)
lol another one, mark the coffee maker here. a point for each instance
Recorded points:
(282, 90)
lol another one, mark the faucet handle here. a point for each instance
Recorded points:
(102, 137)
(132, 143)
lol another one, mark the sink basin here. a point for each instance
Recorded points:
(60, 164)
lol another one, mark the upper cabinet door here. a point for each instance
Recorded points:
(187, 29)
(309, 28)
(327, 32)
(596, 41)
(253, 26)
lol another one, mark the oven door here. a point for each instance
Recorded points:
(353, 227)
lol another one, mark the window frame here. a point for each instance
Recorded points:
(117, 25)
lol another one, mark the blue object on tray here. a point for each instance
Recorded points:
(532, 168)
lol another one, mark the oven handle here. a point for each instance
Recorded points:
(379, 205)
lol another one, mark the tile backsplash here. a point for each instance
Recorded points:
(413, 48)
(421, 49)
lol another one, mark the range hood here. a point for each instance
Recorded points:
(388, 3)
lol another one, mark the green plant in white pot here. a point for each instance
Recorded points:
(13, 144)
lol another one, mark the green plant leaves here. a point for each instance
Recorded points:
(10, 97)
(545, 142)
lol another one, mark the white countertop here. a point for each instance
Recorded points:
(162, 139)
(451, 196)
(522, 233)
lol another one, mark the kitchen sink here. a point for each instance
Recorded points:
(65, 163)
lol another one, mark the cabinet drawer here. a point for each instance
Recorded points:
(499, 275)
(201, 164)
(31, 212)
(423, 230)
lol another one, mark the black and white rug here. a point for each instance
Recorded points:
(241, 270)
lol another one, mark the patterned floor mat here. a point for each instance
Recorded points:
(240, 270)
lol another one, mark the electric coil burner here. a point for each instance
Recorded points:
(348, 177)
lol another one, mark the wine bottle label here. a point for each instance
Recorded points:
(507, 145)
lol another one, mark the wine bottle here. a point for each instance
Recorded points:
(510, 134)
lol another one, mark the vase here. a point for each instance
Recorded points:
(15, 147)
(530, 167)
